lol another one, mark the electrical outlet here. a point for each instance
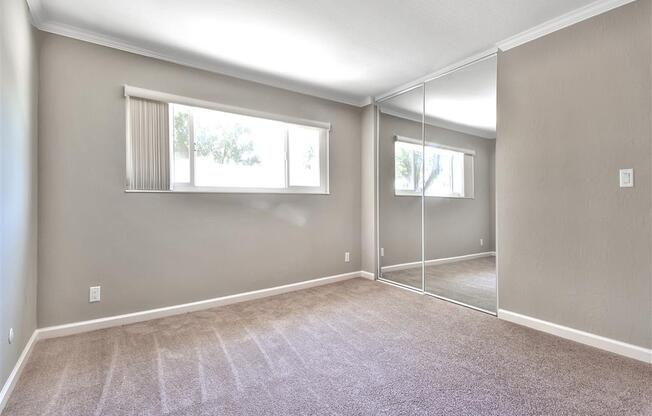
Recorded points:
(347, 257)
(11, 336)
(482, 242)
(94, 294)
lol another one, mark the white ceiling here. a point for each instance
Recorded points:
(339, 49)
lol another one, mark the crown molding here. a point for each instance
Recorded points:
(561, 22)
(546, 28)
(36, 11)
(598, 7)
(369, 100)
(39, 20)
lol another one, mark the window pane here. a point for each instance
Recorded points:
(304, 155)
(232, 150)
(181, 147)
(216, 149)
(444, 172)
(458, 174)
(407, 166)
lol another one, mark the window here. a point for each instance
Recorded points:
(222, 149)
(448, 172)
(232, 152)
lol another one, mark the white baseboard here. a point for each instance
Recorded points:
(118, 320)
(367, 275)
(412, 265)
(597, 341)
(18, 368)
(95, 324)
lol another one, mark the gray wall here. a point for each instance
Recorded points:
(573, 108)
(153, 250)
(368, 189)
(453, 226)
(18, 193)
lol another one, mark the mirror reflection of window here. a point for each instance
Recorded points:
(444, 171)
(407, 167)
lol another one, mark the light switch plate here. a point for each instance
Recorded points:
(627, 178)
(94, 294)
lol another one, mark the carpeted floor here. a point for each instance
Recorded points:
(472, 282)
(357, 347)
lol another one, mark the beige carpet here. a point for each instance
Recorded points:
(472, 282)
(352, 348)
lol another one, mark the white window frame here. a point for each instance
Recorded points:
(190, 187)
(409, 140)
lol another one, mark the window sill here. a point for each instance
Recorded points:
(417, 195)
(226, 192)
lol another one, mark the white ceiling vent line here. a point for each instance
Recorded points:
(561, 22)
(38, 19)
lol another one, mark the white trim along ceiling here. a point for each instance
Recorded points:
(41, 21)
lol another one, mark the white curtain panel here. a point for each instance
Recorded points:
(148, 145)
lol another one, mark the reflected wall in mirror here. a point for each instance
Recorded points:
(400, 183)
(459, 204)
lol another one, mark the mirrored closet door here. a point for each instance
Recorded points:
(400, 161)
(436, 147)
(459, 237)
